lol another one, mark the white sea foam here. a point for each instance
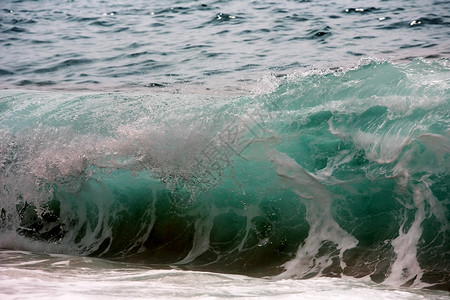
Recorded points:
(76, 278)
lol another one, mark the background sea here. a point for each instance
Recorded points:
(224, 149)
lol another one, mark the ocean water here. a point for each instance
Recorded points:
(225, 149)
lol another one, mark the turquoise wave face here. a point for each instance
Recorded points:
(337, 173)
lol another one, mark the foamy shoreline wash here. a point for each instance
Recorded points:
(25, 275)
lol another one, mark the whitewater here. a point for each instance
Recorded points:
(223, 149)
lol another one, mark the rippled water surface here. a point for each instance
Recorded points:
(96, 44)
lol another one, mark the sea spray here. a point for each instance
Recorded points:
(324, 233)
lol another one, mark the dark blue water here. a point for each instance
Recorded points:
(213, 44)
(282, 140)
